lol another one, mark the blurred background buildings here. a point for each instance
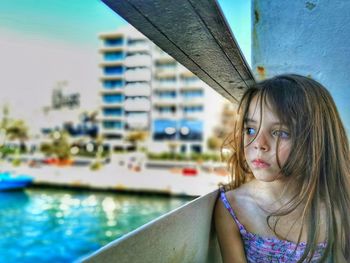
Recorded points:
(144, 90)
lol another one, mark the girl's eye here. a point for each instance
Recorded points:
(281, 134)
(249, 131)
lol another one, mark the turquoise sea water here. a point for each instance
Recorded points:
(50, 225)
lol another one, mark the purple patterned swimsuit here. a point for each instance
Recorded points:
(259, 249)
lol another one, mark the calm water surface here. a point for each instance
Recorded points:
(50, 225)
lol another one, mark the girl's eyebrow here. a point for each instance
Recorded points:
(249, 120)
(254, 121)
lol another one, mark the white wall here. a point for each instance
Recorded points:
(305, 37)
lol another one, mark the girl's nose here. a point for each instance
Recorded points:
(261, 142)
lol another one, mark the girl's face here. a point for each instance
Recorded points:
(261, 143)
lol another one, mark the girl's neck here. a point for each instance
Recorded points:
(273, 195)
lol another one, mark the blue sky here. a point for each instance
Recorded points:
(79, 21)
(73, 21)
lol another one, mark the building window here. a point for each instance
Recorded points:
(166, 81)
(190, 130)
(114, 70)
(113, 112)
(113, 136)
(134, 42)
(191, 109)
(168, 65)
(164, 130)
(166, 109)
(189, 80)
(112, 56)
(196, 148)
(112, 124)
(113, 42)
(111, 84)
(189, 94)
(166, 94)
(113, 98)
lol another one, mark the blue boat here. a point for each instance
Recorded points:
(11, 181)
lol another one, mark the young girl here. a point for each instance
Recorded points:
(289, 199)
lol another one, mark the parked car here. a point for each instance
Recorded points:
(189, 171)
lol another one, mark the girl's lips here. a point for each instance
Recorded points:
(258, 163)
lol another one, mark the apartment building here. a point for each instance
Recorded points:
(143, 88)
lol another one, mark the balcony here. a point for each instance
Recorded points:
(165, 73)
(138, 61)
(110, 131)
(137, 122)
(111, 63)
(192, 101)
(165, 83)
(112, 118)
(162, 56)
(112, 104)
(111, 91)
(191, 86)
(138, 48)
(164, 115)
(110, 35)
(137, 104)
(112, 77)
(143, 74)
(119, 105)
(137, 89)
(167, 101)
(105, 49)
(194, 115)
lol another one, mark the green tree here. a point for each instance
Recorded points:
(14, 130)
(5, 117)
(224, 128)
(214, 143)
(59, 145)
(172, 148)
(134, 137)
(97, 163)
(17, 130)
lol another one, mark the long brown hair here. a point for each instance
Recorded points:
(319, 160)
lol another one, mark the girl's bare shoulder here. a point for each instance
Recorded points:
(241, 196)
(241, 200)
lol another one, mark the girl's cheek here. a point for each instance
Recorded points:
(283, 153)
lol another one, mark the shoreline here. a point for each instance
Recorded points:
(114, 177)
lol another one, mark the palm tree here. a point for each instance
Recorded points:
(172, 148)
(17, 130)
(59, 145)
(5, 119)
(14, 129)
(136, 136)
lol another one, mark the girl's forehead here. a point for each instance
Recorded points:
(261, 108)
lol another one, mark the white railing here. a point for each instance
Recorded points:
(138, 60)
(137, 90)
(168, 115)
(137, 104)
(138, 75)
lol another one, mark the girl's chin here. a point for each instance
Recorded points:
(265, 176)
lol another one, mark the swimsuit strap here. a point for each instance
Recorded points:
(229, 208)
